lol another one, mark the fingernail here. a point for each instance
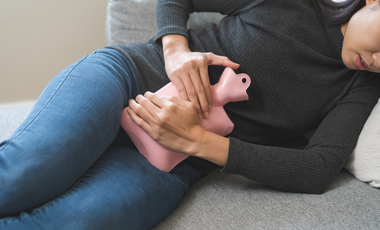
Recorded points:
(210, 107)
(207, 114)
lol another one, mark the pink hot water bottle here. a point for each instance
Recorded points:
(230, 88)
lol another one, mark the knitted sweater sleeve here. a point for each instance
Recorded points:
(172, 15)
(312, 169)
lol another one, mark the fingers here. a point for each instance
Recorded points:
(201, 90)
(151, 104)
(139, 115)
(214, 59)
(146, 112)
(156, 102)
(152, 111)
(207, 89)
(180, 86)
(189, 73)
(194, 86)
(182, 103)
(168, 102)
(149, 107)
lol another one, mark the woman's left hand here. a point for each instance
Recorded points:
(172, 122)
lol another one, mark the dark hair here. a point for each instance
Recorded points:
(338, 12)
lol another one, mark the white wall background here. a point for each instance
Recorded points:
(38, 38)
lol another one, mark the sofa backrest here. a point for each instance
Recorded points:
(134, 21)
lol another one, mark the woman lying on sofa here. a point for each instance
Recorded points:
(312, 66)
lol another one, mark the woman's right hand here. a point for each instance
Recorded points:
(188, 71)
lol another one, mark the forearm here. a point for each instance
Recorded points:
(213, 148)
(172, 15)
(312, 169)
(305, 171)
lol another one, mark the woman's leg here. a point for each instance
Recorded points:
(122, 190)
(73, 122)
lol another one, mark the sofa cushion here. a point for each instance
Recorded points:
(130, 21)
(11, 118)
(135, 21)
(364, 162)
(221, 201)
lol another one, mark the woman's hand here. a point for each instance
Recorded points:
(188, 71)
(175, 124)
(172, 122)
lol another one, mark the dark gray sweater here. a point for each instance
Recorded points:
(299, 83)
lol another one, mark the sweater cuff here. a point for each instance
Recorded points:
(235, 161)
(170, 30)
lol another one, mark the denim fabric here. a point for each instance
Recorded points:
(63, 169)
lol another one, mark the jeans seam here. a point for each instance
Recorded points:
(47, 102)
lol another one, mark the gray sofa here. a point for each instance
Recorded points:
(221, 201)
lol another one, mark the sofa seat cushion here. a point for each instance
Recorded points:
(221, 201)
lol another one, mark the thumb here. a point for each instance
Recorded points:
(214, 59)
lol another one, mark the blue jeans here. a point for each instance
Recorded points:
(70, 166)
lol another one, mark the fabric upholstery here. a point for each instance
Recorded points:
(223, 201)
(11, 118)
(364, 162)
(135, 21)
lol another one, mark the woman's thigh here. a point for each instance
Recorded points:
(122, 190)
(73, 122)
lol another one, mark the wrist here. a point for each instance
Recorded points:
(174, 43)
(212, 147)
